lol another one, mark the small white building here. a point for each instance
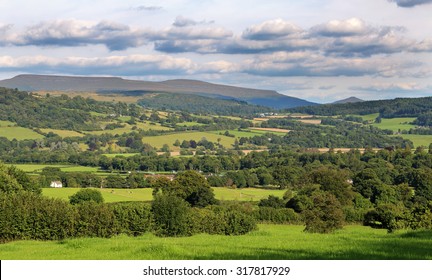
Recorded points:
(56, 184)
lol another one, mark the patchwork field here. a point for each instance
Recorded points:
(269, 242)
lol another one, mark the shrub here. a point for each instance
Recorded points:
(29, 216)
(132, 218)
(86, 195)
(238, 223)
(272, 201)
(326, 214)
(277, 216)
(171, 216)
(95, 220)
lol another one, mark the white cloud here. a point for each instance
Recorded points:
(270, 30)
(392, 87)
(336, 28)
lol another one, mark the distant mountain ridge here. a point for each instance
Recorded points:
(267, 98)
(351, 99)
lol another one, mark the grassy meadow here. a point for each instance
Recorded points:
(32, 168)
(120, 195)
(418, 140)
(395, 124)
(269, 242)
(169, 139)
(18, 133)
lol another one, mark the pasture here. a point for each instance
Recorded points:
(62, 133)
(169, 139)
(119, 195)
(269, 242)
(418, 140)
(109, 195)
(32, 168)
(16, 132)
(395, 124)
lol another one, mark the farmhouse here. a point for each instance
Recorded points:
(56, 184)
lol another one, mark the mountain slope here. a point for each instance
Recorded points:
(351, 99)
(114, 84)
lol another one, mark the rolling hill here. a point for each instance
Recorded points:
(102, 85)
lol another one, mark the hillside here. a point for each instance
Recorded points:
(351, 99)
(267, 98)
(392, 108)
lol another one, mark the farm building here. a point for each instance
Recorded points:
(56, 184)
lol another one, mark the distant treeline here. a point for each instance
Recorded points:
(395, 108)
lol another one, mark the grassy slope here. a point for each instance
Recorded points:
(278, 242)
(63, 133)
(19, 133)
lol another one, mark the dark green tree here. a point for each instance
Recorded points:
(86, 195)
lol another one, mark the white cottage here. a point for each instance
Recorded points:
(56, 184)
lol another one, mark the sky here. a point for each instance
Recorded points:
(319, 50)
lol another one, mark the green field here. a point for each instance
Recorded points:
(66, 168)
(18, 133)
(246, 194)
(418, 140)
(169, 139)
(63, 133)
(395, 124)
(110, 195)
(369, 118)
(118, 195)
(269, 242)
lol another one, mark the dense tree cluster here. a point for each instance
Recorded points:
(201, 105)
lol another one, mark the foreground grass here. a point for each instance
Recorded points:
(120, 195)
(279, 242)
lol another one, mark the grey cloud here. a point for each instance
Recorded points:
(181, 21)
(271, 30)
(316, 65)
(133, 65)
(326, 87)
(410, 3)
(146, 8)
(76, 33)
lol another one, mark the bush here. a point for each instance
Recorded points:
(276, 216)
(388, 216)
(238, 223)
(86, 195)
(272, 201)
(95, 220)
(29, 216)
(326, 214)
(171, 216)
(132, 218)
